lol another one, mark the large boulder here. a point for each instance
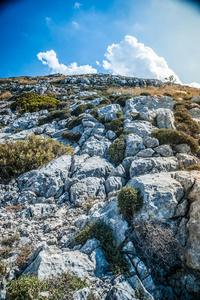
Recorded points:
(108, 109)
(94, 167)
(141, 128)
(161, 194)
(143, 166)
(47, 180)
(51, 262)
(165, 119)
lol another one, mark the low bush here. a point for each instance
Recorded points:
(121, 100)
(174, 137)
(72, 137)
(24, 255)
(116, 151)
(17, 157)
(56, 115)
(145, 94)
(82, 108)
(116, 125)
(58, 287)
(157, 244)
(183, 118)
(74, 122)
(105, 102)
(31, 102)
(112, 252)
(129, 201)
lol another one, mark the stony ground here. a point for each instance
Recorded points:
(43, 210)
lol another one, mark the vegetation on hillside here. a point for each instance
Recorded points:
(17, 157)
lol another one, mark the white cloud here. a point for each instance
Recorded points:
(194, 85)
(76, 25)
(77, 5)
(98, 63)
(50, 59)
(130, 58)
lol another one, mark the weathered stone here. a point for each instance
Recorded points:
(100, 263)
(164, 150)
(134, 144)
(165, 119)
(141, 128)
(53, 262)
(153, 165)
(161, 194)
(94, 167)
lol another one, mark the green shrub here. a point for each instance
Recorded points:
(55, 115)
(116, 125)
(103, 233)
(183, 117)
(145, 94)
(129, 201)
(17, 157)
(10, 240)
(174, 137)
(72, 137)
(58, 287)
(105, 102)
(30, 102)
(121, 100)
(82, 108)
(74, 122)
(116, 151)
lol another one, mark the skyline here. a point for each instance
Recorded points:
(152, 37)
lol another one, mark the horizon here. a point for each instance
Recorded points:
(115, 37)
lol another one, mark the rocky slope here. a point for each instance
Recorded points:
(110, 125)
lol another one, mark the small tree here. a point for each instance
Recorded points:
(171, 79)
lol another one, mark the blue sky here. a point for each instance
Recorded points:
(83, 31)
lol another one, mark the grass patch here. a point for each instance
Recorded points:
(195, 167)
(31, 102)
(4, 252)
(72, 137)
(17, 157)
(129, 201)
(112, 252)
(3, 270)
(58, 287)
(10, 240)
(174, 137)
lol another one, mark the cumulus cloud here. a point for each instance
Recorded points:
(50, 59)
(130, 58)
